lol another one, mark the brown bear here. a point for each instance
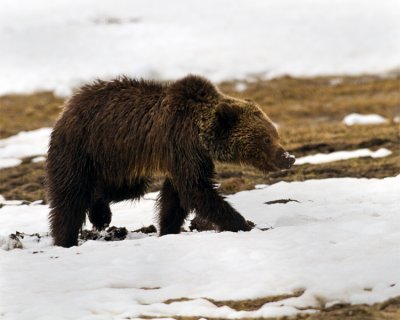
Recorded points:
(113, 136)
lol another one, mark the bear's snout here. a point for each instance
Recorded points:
(285, 160)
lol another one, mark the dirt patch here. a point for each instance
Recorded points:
(110, 234)
(244, 305)
(388, 310)
(281, 201)
(113, 233)
(255, 304)
(327, 147)
(200, 224)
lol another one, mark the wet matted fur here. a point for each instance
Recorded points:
(113, 136)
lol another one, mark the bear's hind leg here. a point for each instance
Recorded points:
(100, 214)
(171, 213)
(65, 223)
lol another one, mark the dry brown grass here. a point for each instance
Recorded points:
(388, 310)
(24, 182)
(246, 305)
(28, 112)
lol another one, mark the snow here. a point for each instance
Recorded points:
(39, 159)
(339, 243)
(60, 44)
(24, 144)
(7, 163)
(342, 155)
(356, 118)
(240, 86)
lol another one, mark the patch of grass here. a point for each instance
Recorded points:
(24, 182)
(244, 305)
(311, 100)
(388, 310)
(28, 112)
(254, 304)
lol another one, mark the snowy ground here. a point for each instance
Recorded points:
(342, 155)
(59, 44)
(24, 144)
(339, 243)
(365, 119)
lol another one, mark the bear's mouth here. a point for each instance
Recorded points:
(281, 162)
(284, 161)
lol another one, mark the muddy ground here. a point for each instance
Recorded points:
(309, 112)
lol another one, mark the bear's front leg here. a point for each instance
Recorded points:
(210, 205)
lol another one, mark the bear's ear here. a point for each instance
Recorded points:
(194, 88)
(227, 115)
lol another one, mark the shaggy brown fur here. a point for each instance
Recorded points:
(113, 136)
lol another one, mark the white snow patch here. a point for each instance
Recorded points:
(240, 86)
(11, 202)
(357, 118)
(325, 244)
(9, 162)
(23, 144)
(39, 159)
(61, 44)
(335, 81)
(261, 186)
(342, 155)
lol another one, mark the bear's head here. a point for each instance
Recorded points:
(244, 134)
(231, 129)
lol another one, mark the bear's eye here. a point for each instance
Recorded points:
(262, 140)
(266, 141)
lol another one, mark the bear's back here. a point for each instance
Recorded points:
(116, 95)
(111, 120)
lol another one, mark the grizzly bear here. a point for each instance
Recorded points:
(113, 136)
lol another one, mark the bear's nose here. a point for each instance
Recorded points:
(289, 159)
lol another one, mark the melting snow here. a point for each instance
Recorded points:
(342, 155)
(356, 118)
(23, 144)
(339, 243)
(38, 159)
